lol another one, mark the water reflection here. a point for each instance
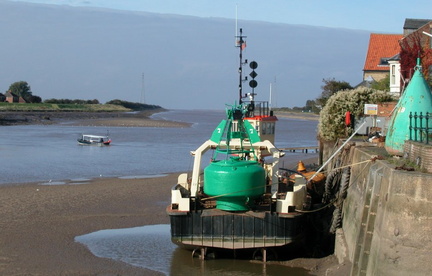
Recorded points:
(150, 247)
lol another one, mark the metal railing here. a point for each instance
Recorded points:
(419, 127)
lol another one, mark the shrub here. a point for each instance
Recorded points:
(331, 125)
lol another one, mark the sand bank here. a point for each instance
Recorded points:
(112, 119)
(40, 222)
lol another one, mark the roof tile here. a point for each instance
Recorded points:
(381, 46)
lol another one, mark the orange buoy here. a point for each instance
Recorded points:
(301, 167)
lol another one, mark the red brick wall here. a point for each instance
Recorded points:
(419, 153)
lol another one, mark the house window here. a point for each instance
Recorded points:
(384, 62)
(393, 75)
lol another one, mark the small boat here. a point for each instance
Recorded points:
(94, 140)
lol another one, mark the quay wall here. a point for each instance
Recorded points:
(387, 219)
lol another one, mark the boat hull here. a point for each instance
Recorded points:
(228, 230)
(87, 143)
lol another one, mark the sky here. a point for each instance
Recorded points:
(108, 46)
(371, 15)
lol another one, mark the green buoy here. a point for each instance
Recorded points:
(416, 98)
(234, 183)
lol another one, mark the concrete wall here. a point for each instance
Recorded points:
(387, 219)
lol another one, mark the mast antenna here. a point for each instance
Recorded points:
(236, 20)
(142, 90)
(270, 98)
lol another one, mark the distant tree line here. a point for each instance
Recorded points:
(133, 105)
(69, 101)
(22, 89)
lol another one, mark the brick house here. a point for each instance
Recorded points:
(411, 25)
(382, 48)
(383, 59)
(13, 98)
(417, 35)
(383, 55)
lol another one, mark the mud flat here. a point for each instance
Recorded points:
(125, 119)
(40, 222)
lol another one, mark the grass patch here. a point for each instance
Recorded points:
(34, 107)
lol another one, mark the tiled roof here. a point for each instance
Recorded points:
(381, 48)
(10, 94)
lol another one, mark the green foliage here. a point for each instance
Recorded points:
(133, 106)
(383, 85)
(52, 107)
(34, 99)
(68, 101)
(331, 125)
(330, 87)
(311, 106)
(20, 88)
(71, 106)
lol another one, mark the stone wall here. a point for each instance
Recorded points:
(387, 219)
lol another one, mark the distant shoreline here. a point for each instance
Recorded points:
(111, 119)
(297, 115)
(125, 119)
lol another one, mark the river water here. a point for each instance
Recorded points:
(150, 247)
(49, 155)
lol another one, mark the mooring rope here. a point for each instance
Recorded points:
(319, 209)
(373, 159)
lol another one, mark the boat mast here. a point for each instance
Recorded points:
(270, 98)
(241, 44)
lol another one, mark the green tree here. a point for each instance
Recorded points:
(330, 87)
(34, 99)
(383, 84)
(20, 88)
(311, 106)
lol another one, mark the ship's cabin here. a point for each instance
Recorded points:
(262, 119)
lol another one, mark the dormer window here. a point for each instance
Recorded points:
(384, 62)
